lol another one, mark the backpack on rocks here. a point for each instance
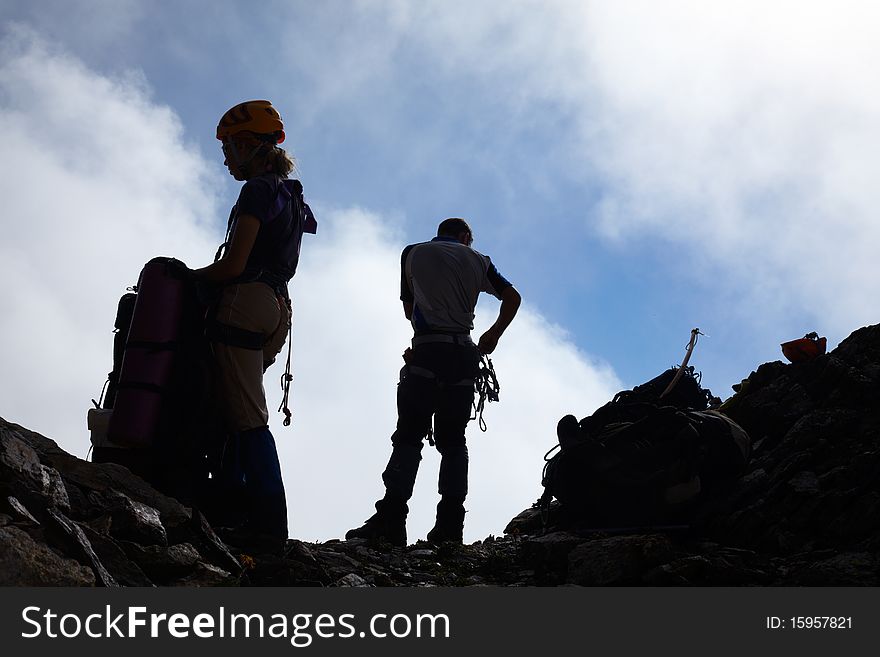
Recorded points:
(643, 460)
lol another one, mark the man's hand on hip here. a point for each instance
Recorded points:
(488, 341)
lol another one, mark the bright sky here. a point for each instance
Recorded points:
(635, 168)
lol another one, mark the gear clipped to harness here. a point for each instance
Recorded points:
(487, 388)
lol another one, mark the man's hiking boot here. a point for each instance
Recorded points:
(379, 526)
(444, 534)
(389, 523)
(450, 523)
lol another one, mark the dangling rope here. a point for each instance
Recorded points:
(690, 349)
(486, 383)
(287, 377)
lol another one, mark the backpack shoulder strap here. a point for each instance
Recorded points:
(292, 189)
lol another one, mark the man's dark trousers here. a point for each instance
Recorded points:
(438, 382)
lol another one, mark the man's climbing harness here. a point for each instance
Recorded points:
(485, 385)
(487, 388)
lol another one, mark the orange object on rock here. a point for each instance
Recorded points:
(803, 349)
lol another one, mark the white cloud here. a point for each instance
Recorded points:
(741, 134)
(744, 132)
(98, 179)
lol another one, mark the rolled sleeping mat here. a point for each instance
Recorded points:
(150, 353)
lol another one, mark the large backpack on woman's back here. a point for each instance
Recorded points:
(158, 415)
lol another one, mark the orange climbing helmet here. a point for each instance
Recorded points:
(803, 349)
(256, 116)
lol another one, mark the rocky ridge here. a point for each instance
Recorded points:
(806, 512)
